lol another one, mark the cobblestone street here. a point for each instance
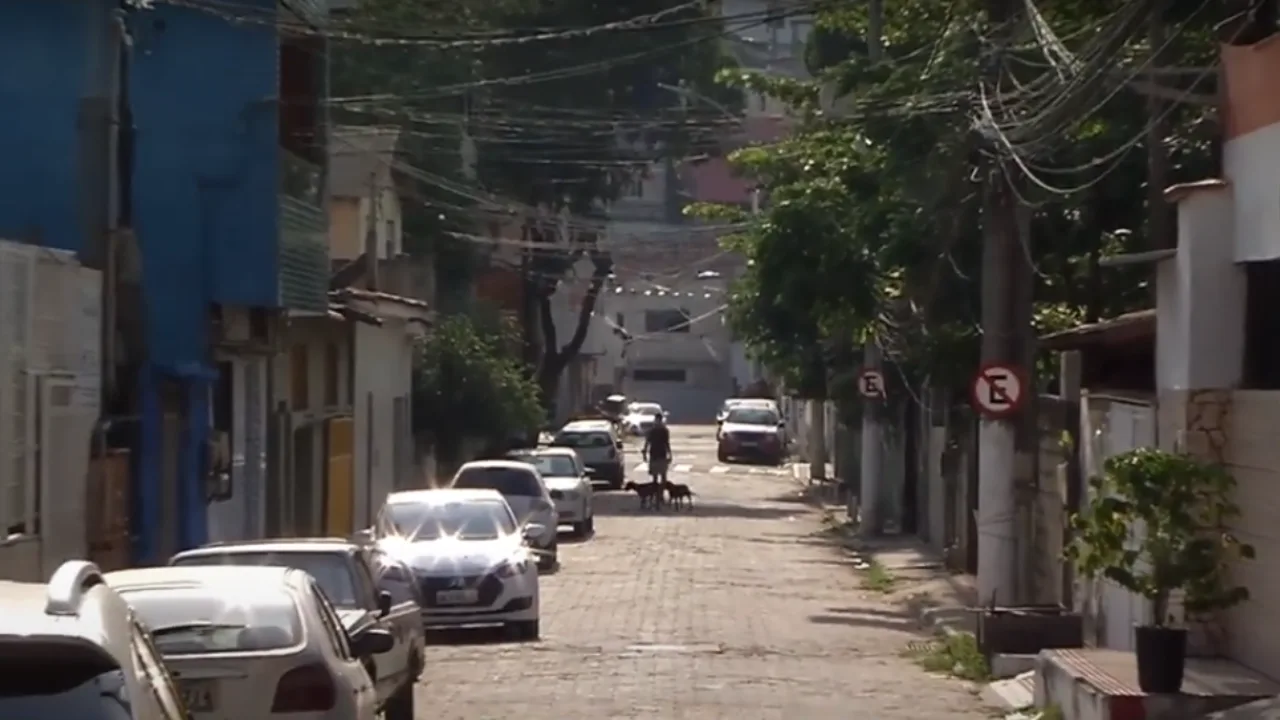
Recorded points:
(731, 611)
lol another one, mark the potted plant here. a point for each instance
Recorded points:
(1156, 523)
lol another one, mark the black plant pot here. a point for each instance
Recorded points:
(1162, 658)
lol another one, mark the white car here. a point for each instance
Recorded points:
(254, 642)
(469, 556)
(522, 487)
(73, 649)
(641, 417)
(599, 449)
(570, 485)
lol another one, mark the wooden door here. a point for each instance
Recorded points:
(339, 480)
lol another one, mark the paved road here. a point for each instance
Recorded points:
(731, 611)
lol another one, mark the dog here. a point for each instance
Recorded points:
(679, 493)
(650, 494)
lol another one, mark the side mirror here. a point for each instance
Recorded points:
(370, 642)
(533, 531)
(384, 603)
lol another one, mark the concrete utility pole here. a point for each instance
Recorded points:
(872, 462)
(871, 474)
(1003, 265)
(371, 234)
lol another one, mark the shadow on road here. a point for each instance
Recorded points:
(627, 504)
(867, 617)
(469, 636)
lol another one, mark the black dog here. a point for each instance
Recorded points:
(650, 494)
(679, 493)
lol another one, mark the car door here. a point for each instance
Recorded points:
(405, 619)
(352, 674)
(392, 665)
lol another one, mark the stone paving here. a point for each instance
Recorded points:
(734, 610)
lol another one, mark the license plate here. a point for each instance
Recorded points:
(457, 597)
(198, 695)
(565, 515)
(748, 443)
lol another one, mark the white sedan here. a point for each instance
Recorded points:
(640, 417)
(469, 557)
(569, 483)
(254, 642)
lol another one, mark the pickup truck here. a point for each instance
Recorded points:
(363, 584)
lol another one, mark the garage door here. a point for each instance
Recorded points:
(685, 402)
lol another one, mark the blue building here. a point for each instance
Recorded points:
(182, 149)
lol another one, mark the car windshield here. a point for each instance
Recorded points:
(646, 409)
(332, 571)
(478, 520)
(752, 416)
(583, 440)
(553, 465)
(506, 480)
(204, 620)
(39, 689)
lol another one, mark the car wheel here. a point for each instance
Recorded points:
(581, 529)
(591, 525)
(722, 457)
(400, 706)
(550, 558)
(524, 630)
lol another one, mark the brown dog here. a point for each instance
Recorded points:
(650, 494)
(679, 494)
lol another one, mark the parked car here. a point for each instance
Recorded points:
(732, 403)
(529, 497)
(570, 485)
(73, 649)
(752, 433)
(368, 589)
(641, 417)
(254, 642)
(468, 554)
(599, 448)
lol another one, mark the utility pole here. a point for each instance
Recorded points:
(371, 234)
(871, 467)
(1003, 263)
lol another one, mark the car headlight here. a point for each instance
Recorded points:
(512, 568)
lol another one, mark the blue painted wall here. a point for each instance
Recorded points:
(203, 95)
(53, 55)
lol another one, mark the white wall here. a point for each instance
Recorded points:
(384, 371)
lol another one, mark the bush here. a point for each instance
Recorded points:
(468, 383)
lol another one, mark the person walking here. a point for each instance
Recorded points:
(657, 449)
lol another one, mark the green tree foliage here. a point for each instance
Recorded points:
(873, 225)
(468, 383)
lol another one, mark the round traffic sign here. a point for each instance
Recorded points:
(871, 384)
(998, 390)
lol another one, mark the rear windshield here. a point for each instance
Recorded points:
(332, 571)
(507, 481)
(552, 465)
(199, 621)
(583, 440)
(41, 689)
(646, 409)
(752, 416)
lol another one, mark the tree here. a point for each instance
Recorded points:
(873, 225)
(468, 383)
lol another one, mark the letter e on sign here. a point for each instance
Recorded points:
(998, 390)
(871, 384)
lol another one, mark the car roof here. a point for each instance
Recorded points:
(563, 451)
(496, 465)
(283, 545)
(221, 576)
(75, 603)
(587, 426)
(442, 496)
(748, 402)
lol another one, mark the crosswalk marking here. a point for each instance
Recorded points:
(643, 468)
(681, 468)
(719, 470)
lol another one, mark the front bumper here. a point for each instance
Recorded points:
(757, 450)
(498, 600)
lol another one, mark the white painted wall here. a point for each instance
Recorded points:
(1251, 163)
(384, 371)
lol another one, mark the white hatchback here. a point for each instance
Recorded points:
(254, 642)
(527, 495)
(469, 557)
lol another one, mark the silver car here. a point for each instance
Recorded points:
(522, 487)
(570, 485)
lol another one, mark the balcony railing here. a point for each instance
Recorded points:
(304, 236)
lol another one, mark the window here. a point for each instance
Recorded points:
(674, 321)
(481, 521)
(553, 465)
(367, 587)
(635, 188)
(157, 678)
(331, 570)
(752, 416)
(206, 621)
(519, 483)
(76, 687)
(332, 625)
(671, 375)
(582, 440)
(299, 382)
(332, 364)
